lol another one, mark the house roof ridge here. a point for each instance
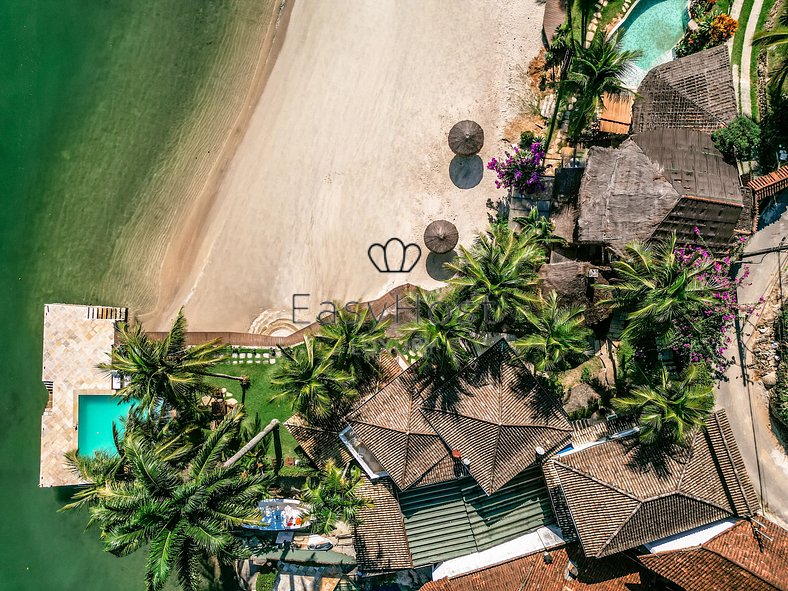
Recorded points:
(594, 479)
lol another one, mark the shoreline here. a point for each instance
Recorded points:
(181, 251)
(345, 146)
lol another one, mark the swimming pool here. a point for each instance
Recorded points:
(96, 415)
(653, 27)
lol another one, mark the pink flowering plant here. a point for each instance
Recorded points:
(702, 334)
(521, 169)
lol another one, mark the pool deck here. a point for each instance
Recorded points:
(76, 340)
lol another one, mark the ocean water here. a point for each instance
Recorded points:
(653, 27)
(97, 415)
(93, 94)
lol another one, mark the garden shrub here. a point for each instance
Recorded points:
(714, 28)
(740, 140)
(266, 580)
(521, 169)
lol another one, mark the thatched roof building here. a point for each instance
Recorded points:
(658, 182)
(693, 92)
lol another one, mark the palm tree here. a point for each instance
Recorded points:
(183, 513)
(442, 333)
(771, 40)
(657, 289)
(669, 409)
(167, 370)
(310, 379)
(538, 229)
(596, 70)
(494, 280)
(555, 335)
(355, 336)
(334, 497)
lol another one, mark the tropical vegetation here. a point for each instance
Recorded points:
(179, 501)
(595, 70)
(555, 335)
(775, 39)
(441, 334)
(739, 140)
(714, 27)
(520, 170)
(310, 379)
(355, 337)
(668, 409)
(495, 279)
(155, 372)
(334, 496)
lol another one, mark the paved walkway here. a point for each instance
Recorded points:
(743, 73)
(745, 401)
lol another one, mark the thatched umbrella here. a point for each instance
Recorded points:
(441, 236)
(466, 138)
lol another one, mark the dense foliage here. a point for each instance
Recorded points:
(174, 497)
(596, 70)
(780, 395)
(520, 170)
(668, 409)
(739, 140)
(334, 496)
(713, 28)
(776, 40)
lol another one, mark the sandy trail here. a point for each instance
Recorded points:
(347, 147)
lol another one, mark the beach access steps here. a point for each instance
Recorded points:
(106, 313)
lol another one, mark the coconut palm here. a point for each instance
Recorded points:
(668, 410)
(771, 40)
(555, 334)
(442, 333)
(164, 371)
(538, 229)
(596, 70)
(356, 337)
(334, 497)
(182, 512)
(657, 289)
(494, 279)
(310, 379)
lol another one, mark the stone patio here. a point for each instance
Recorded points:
(76, 340)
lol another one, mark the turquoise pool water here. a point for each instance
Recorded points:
(653, 27)
(96, 415)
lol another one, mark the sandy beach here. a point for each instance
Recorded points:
(345, 146)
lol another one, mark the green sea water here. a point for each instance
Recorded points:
(93, 97)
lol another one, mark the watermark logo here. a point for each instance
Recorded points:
(395, 256)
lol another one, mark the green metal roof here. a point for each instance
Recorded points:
(456, 518)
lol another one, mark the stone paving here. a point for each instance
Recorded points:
(76, 340)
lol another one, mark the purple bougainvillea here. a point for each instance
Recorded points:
(703, 336)
(521, 169)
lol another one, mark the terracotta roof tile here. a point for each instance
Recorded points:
(621, 494)
(531, 573)
(746, 557)
(380, 539)
(496, 415)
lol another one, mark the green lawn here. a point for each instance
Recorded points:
(738, 37)
(258, 397)
(608, 13)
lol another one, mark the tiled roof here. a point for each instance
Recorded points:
(621, 494)
(380, 539)
(694, 92)
(457, 518)
(750, 556)
(320, 442)
(392, 427)
(770, 184)
(531, 573)
(496, 415)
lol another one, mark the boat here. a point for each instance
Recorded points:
(281, 515)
